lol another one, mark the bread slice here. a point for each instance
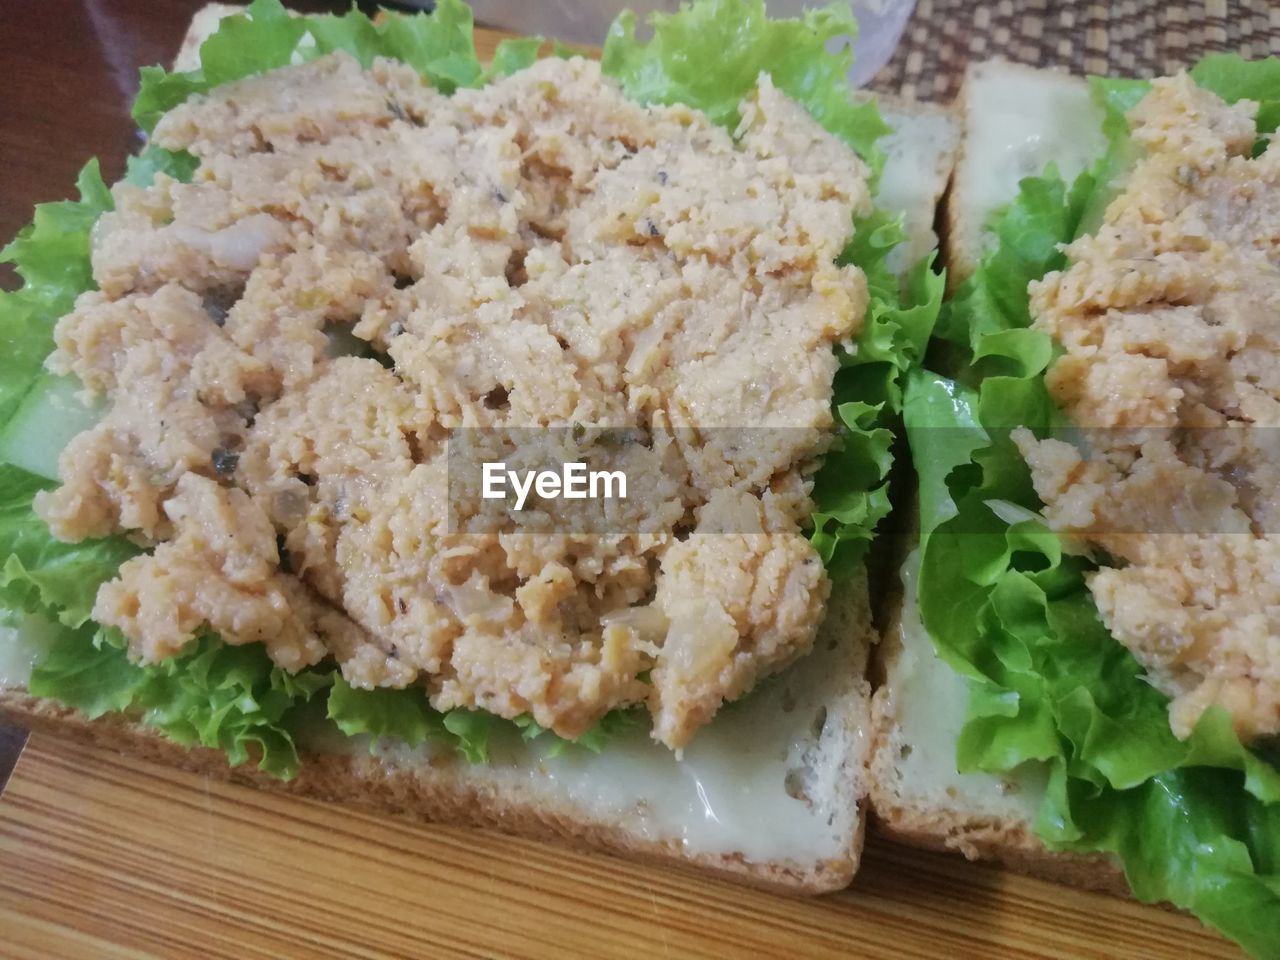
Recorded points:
(771, 793)
(916, 794)
(1016, 120)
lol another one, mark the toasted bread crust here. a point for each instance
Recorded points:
(1008, 844)
(960, 258)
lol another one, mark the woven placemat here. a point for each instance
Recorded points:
(1142, 38)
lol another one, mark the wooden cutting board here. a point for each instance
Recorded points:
(105, 857)
(102, 857)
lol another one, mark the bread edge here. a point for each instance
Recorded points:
(960, 261)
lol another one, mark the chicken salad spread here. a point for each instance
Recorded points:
(1167, 316)
(538, 253)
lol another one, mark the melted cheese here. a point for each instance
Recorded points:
(731, 792)
(727, 794)
(20, 646)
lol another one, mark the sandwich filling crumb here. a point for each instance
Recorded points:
(1169, 316)
(362, 265)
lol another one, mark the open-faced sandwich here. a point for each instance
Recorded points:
(236, 536)
(1084, 676)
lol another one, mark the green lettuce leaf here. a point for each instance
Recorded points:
(989, 315)
(141, 170)
(231, 699)
(613, 724)
(472, 731)
(41, 573)
(709, 54)
(900, 315)
(51, 254)
(851, 488)
(1194, 822)
(94, 678)
(513, 55)
(1234, 78)
(441, 47)
(567, 51)
(403, 714)
(352, 32)
(407, 715)
(265, 36)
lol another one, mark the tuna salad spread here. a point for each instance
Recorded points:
(1169, 317)
(362, 265)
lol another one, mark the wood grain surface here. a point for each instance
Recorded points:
(104, 857)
